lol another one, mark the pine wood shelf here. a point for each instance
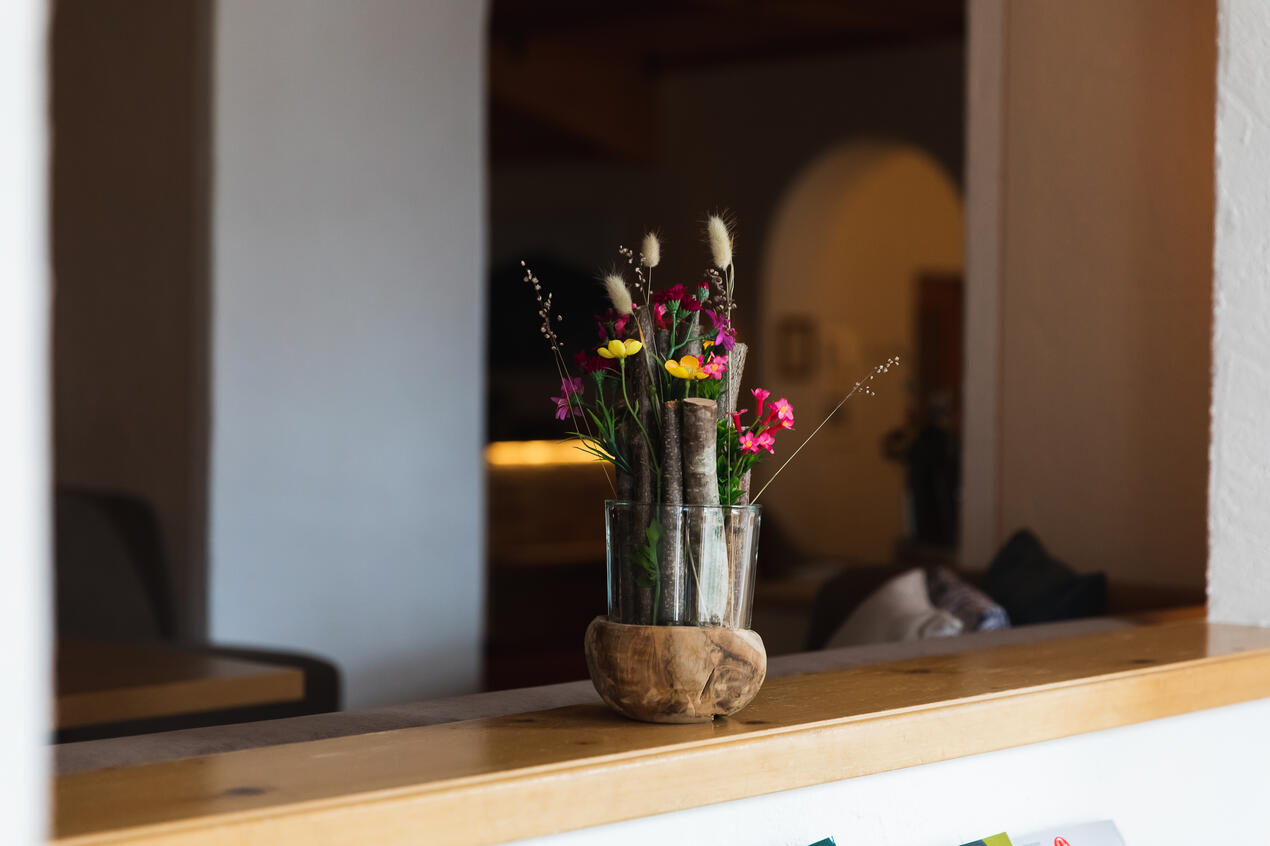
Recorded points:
(492, 780)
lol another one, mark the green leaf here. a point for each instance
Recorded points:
(646, 557)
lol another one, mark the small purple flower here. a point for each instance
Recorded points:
(568, 388)
(725, 335)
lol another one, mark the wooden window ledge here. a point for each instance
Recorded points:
(505, 778)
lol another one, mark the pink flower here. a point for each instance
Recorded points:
(619, 322)
(765, 441)
(784, 413)
(562, 407)
(760, 395)
(571, 386)
(659, 316)
(715, 367)
(736, 420)
(749, 443)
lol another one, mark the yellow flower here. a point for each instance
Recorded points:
(688, 367)
(620, 349)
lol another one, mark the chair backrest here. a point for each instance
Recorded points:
(111, 582)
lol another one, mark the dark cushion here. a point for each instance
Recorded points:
(1035, 587)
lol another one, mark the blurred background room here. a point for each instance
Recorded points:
(301, 412)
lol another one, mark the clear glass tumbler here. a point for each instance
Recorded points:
(681, 565)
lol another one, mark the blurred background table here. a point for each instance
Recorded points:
(101, 683)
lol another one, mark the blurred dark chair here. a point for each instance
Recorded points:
(111, 585)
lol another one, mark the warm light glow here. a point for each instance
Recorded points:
(535, 454)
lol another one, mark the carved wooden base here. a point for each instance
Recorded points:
(674, 674)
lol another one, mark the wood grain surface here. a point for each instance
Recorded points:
(99, 683)
(674, 674)
(499, 779)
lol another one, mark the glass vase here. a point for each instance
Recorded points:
(681, 565)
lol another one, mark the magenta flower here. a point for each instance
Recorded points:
(760, 395)
(749, 443)
(784, 413)
(618, 322)
(736, 420)
(568, 388)
(725, 335)
(765, 441)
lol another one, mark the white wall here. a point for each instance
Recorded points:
(347, 288)
(1239, 457)
(1198, 778)
(24, 459)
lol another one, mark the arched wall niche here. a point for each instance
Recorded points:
(852, 235)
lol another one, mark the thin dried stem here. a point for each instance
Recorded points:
(862, 385)
(562, 369)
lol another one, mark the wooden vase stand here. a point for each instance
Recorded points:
(674, 674)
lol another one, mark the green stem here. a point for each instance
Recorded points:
(685, 342)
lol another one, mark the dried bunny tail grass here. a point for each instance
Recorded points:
(720, 240)
(650, 251)
(618, 293)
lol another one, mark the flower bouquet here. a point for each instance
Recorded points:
(659, 399)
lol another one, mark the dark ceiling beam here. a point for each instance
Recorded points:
(648, 21)
(587, 69)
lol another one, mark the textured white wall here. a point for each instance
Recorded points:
(347, 284)
(1198, 778)
(1239, 458)
(24, 460)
